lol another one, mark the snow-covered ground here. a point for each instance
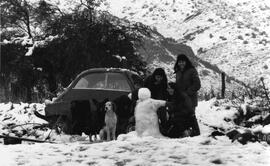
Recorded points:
(129, 149)
(137, 151)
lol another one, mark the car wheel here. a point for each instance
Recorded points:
(63, 125)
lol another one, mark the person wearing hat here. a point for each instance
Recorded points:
(186, 86)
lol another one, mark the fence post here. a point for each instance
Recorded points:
(265, 90)
(223, 85)
(0, 61)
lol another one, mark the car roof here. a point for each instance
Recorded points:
(96, 70)
(121, 70)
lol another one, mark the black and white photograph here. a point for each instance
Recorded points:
(135, 82)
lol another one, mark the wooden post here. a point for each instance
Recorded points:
(223, 85)
(265, 90)
(0, 60)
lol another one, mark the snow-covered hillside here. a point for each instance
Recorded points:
(223, 33)
(159, 51)
(234, 35)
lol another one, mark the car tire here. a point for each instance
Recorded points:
(63, 125)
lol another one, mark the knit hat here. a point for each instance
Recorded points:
(182, 57)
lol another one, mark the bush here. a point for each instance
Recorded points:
(78, 43)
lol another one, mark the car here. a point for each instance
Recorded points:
(73, 109)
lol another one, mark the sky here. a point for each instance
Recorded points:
(129, 149)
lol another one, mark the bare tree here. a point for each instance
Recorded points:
(16, 13)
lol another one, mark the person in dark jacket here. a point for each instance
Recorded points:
(157, 83)
(180, 117)
(187, 86)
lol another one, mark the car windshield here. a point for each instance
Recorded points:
(110, 81)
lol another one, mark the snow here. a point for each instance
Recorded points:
(266, 129)
(234, 34)
(120, 58)
(141, 151)
(146, 114)
(129, 149)
(144, 93)
(168, 17)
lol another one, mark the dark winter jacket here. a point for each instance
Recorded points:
(181, 113)
(157, 91)
(181, 106)
(188, 82)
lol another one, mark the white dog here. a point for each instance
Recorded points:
(109, 129)
(146, 114)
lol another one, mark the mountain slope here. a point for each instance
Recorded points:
(232, 35)
(154, 47)
(159, 51)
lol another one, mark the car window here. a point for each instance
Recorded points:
(117, 81)
(112, 81)
(93, 80)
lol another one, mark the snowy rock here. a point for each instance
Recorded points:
(266, 129)
(257, 129)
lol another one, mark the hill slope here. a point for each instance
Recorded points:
(156, 49)
(232, 35)
(160, 51)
